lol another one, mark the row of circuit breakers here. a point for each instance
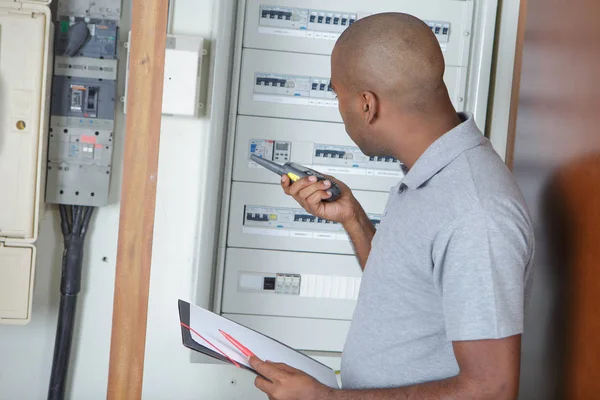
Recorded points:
(282, 271)
(83, 102)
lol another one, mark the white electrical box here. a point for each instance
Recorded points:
(24, 100)
(280, 270)
(182, 76)
(323, 146)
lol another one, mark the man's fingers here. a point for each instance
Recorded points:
(317, 197)
(308, 191)
(264, 385)
(300, 184)
(285, 183)
(267, 370)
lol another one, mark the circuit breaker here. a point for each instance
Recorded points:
(280, 270)
(322, 146)
(263, 217)
(80, 143)
(24, 89)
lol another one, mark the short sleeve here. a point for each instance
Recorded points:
(479, 270)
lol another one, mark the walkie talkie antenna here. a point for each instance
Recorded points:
(270, 165)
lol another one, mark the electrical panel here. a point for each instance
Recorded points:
(325, 147)
(280, 270)
(25, 84)
(83, 97)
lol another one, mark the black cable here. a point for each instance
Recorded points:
(64, 220)
(77, 219)
(86, 221)
(70, 286)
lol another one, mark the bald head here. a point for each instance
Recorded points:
(393, 55)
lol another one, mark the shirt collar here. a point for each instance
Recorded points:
(444, 150)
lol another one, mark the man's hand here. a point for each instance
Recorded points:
(310, 194)
(287, 383)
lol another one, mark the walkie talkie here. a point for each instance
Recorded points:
(296, 171)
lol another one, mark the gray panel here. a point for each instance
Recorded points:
(83, 98)
(84, 123)
(109, 9)
(77, 184)
(85, 67)
(101, 44)
(79, 165)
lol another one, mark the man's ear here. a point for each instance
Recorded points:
(370, 106)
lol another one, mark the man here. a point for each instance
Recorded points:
(448, 273)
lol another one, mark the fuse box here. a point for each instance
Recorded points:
(271, 251)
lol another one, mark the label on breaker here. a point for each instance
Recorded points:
(302, 22)
(293, 222)
(333, 159)
(273, 150)
(298, 90)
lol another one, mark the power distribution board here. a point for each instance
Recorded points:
(281, 270)
(83, 102)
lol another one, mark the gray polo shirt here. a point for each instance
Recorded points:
(451, 261)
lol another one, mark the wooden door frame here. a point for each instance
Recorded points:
(516, 85)
(138, 198)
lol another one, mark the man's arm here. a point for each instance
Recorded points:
(489, 369)
(346, 210)
(361, 231)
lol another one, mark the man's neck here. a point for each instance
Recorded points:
(421, 132)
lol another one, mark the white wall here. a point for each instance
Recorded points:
(26, 352)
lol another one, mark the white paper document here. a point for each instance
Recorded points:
(205, 331)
